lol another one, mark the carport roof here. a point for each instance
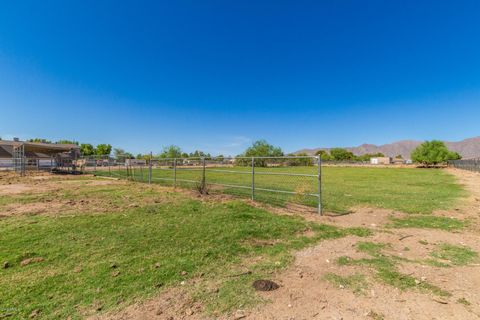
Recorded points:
(38, 147)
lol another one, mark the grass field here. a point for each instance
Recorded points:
(342, 187)
(88, 262)
(111, 243)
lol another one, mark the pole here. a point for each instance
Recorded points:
(150, 169)
(319, 163)
(203, 176)
(175, 173)
(253, 178)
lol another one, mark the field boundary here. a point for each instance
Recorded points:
(467, 164)
(258, 178)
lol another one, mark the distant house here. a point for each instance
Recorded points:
(135, 162)
(381, 160)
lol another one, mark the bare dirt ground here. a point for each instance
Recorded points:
(47, 194)
(304, 292)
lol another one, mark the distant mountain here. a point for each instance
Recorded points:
(468, 148)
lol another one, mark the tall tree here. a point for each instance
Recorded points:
(87, 149)
(260, 148)
(171, 151)
(341, 154)
(433, 153)
(103, 149)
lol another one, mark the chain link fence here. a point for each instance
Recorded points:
(293, 180)
(470, 164)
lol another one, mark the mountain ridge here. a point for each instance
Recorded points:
(467, 148)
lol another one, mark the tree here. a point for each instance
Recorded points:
(432, 153)
(324, 155)
(302, 160)
(199, 154)
(39, 140)
(87, 149)
(340, 154)
(103, 149)
(171, 151)
(120, 153)
(67, 142)
(453, 155)
(260, 148)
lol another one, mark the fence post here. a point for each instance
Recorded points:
(253, 178)
(319, 163)
(150, 169)
(204, 182)
(174, 173)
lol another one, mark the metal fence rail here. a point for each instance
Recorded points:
(277, 180)
(468, 164)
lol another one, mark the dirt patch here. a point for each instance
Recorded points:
(31, 260)
(172, 303)
(305, 294)
(15, 188)
(48, 208)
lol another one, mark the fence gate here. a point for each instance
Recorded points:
(19, 159)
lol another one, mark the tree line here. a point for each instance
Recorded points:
(429, 153)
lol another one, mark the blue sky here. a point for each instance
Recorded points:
(217, 75)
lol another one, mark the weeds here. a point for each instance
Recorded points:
(428, 222)
(385, 267)
(456, 255)
(357, 282)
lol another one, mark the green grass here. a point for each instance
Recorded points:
(386, 269)
(428, 222)
(342, 187)
(456, 255)
(76, 276)
(356, 282)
